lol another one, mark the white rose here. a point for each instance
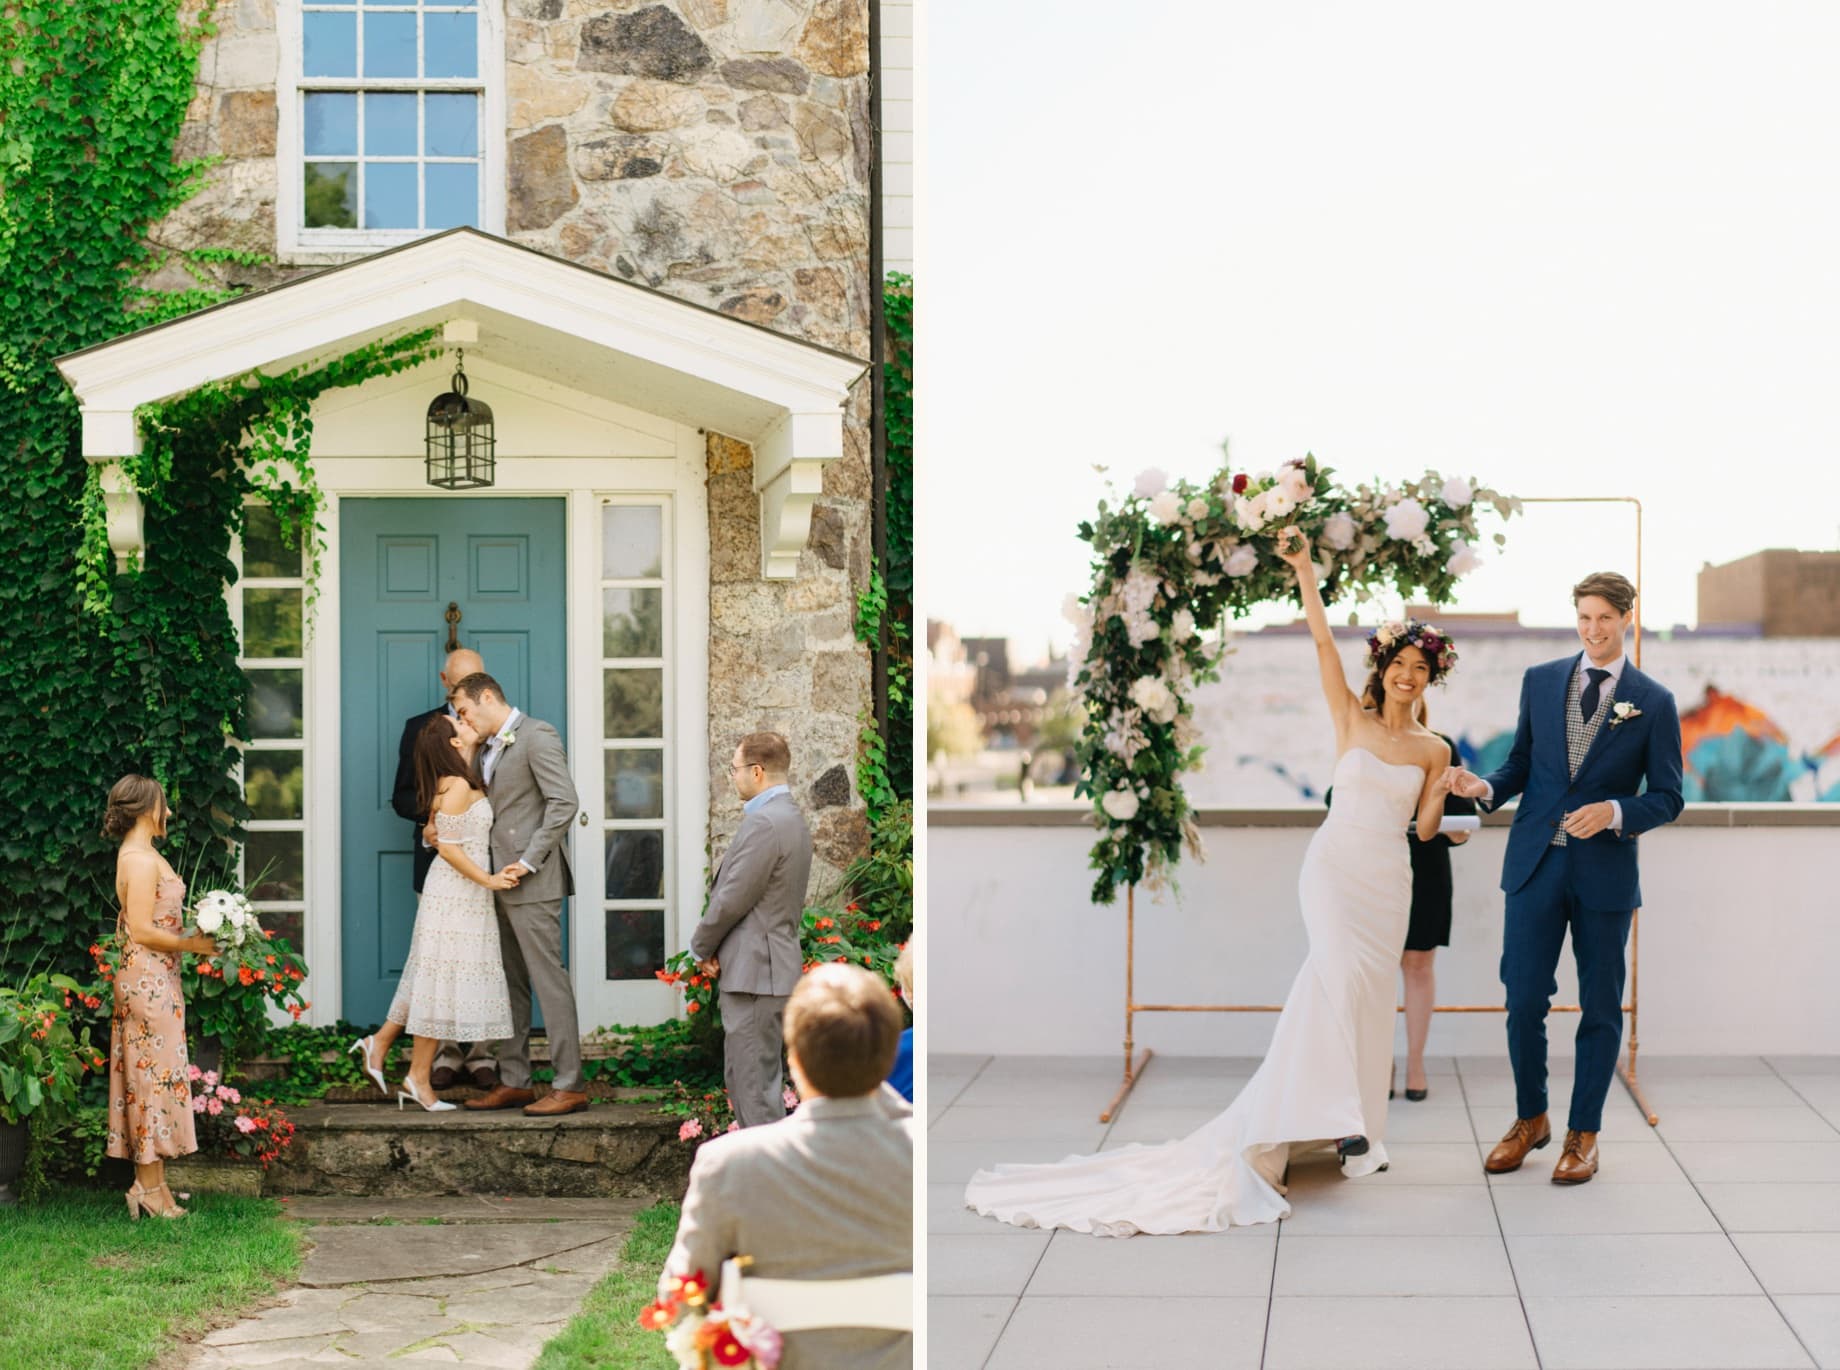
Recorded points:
(1120, 805)
(210, 919)
(1182, 624)
(1407, 520)
(1295, 484)
(1463, 560)
(1339, 532)
(1166, 506)
(1197, 509)
(1152, 481)
(1457, 492)
(1278, 504)
(1155, 698)
(1243, 562)
(1251, 512)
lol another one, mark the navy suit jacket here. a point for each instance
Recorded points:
(1636, 762)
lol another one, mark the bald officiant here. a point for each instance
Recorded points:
(477, 1062)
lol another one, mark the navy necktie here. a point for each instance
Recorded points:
(1587, 706)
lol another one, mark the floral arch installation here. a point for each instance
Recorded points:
(1171, 563)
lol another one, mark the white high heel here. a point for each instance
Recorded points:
(362, 1050)
(408, 1093)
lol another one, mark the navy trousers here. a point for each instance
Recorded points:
(1538, 917)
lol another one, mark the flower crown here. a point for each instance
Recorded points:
(1433, 641)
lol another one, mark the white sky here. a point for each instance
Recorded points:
(1567, 249)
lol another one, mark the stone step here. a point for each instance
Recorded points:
(610, 1150)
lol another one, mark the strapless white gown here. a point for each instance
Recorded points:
(1324, 1077)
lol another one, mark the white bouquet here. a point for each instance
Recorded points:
(228, 918)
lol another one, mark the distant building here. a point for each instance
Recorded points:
(1779, 593)
(950, 676)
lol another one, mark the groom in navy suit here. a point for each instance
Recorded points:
(1596, 762)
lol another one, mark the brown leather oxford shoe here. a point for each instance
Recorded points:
(556, 1103)
(1578, 1160)
(1527, 1134)
(503, 1097)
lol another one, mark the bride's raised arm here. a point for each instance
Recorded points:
(1294, 549)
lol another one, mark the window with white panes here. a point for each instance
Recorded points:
(267, 602)
(636, 683)
(391, 120)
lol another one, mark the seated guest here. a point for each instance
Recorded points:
(901, 1078)
(827, 1193)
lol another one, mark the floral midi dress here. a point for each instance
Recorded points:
(150, 1097)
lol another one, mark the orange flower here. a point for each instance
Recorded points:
(824, 923)
(271, 960)
(655, 1317)
(874, 925)
(693, 1007)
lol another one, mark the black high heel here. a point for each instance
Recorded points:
(1350, 1146)
(1418, 1096)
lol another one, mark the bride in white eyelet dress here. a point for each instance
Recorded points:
(1324, 1077)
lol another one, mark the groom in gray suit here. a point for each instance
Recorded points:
(748, 939)
(533, 802)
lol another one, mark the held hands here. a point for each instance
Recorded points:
(1465, 784)
(503, 880)
(712, 967)
(1588, 821)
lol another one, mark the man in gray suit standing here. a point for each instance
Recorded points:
(748, 939)
(533, 802)
(826, 1194)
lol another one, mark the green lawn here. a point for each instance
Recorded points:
(605, 1334)
(83, 1288)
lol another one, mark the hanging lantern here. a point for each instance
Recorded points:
(460, 439)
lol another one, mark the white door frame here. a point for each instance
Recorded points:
(581, 482)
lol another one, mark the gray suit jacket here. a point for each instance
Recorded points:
(757, 901)
(533, 803)
(825, 1194)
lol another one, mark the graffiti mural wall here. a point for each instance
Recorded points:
(1760, 717)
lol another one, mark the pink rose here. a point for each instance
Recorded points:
(692, 1128)
(213, 1106)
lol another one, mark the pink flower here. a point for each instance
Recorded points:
(210, 1078)
(229, 1095)
(193, 1073)
(213, 1106)
(692, 1128)
(245, 1125)
(792, 1099)
(198, 1104)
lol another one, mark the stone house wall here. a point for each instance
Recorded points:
(717, 150)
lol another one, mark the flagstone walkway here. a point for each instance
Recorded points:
(445, 1281)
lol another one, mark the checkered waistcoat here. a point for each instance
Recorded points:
(1580, 731)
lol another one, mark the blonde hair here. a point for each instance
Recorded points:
(904, 972)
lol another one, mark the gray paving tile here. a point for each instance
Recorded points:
(1650, 1064)
(1037, 1091)
(1152, 1124)
(1551, 1209)
(1816, 1320)
(1805, 1065)
(1092, 1070)
(1354, 1207)
(946, 1215)
(1199, 1265)
(1793, 1262)
(1344, 1267)
(949, 1161)
(1718, 1091)
(1011, 1125)
(1411, 1123)
(1131, 1334)
(1662, 1334)
(1163, 1068)
(1775, 1207)
(1798, 1124)
(950, 1063)
(962, 1329)
(1617, 1164)
(1758, 1162)
(1629, 1265)
(1170, 1092)
(1398, 1334)
(982, 1265)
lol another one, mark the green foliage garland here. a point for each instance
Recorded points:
(1170, 562)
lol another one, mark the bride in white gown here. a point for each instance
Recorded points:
(1323, 1081)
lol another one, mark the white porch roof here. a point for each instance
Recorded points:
(593, 332)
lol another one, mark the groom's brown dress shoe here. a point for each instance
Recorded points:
(1527, 1134)
(556, 1103)
(1578, 1161)
(503, 1097)
(444, 1077)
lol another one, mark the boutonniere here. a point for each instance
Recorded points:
(1621, 713)
(509, 737)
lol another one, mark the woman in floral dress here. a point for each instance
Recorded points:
(150, 1098)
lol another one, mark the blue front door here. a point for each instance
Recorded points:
(500, 562)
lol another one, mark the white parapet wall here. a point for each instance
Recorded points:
(1739, 936)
